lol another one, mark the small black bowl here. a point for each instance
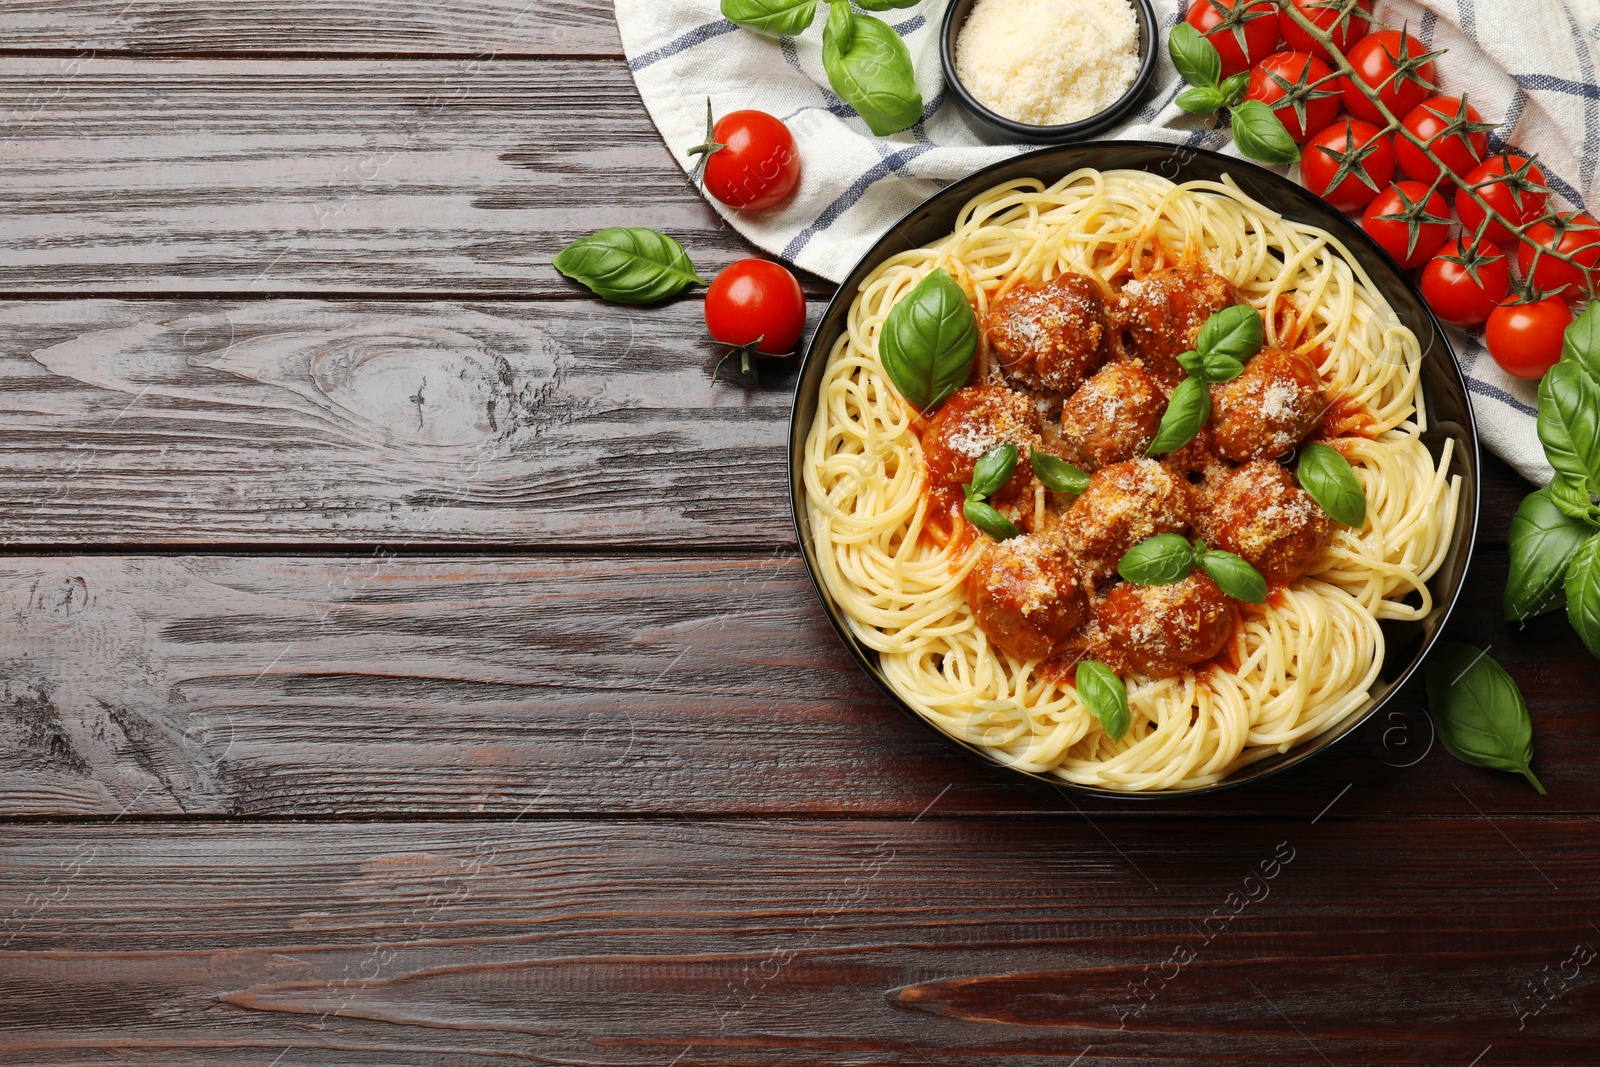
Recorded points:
(1449, 411)
(997, 129)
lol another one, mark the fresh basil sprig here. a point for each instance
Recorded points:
(870, 67)
(885, 5)
(1058, 475)
(1478, 711)
(781, 18)
(1235, 331)
(1257, 130)
(629, 265)
(1554, 540)
(1105, 696)
(928, 341)
(1332, 483)
(1542, 541)
(1186, 412)
(988, 475)
(1168, 558)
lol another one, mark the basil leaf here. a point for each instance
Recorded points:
(1569, 421)
(1583, 594)
(1200, 99)
(1234, 88)
(1234, 575)
(1542, 541)
(629, 266)
(1261, 136)
(1328, 477)
(987, 519)
(1104, 695)
(781, 18)
(1218, 369)
(1195, 57)
(1186, 413)
(1192, 362)
(1477, 710)
(993, 470)
(1571, 497)
(1234, 331)
(1057, 474)
(885, 5)
(869, 66)
(1159, 560)
(928, 341)
(1581, 343)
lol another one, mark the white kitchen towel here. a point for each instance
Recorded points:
(1528, 64)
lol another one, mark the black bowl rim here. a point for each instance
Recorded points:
(1470, 459)
(1067, 131)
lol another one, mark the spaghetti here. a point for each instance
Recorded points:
(1296, 666)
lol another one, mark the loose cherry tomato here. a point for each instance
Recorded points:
(1391, 61)
(751, 162)
(1511, 185)
(1299, 88)
(1448, 124)
(1572, 234)
(1244, 32)
(1346, 21)
(1465, 281)
(1409, 222)
(1348, 164)
(1525, 339)
(756, 307)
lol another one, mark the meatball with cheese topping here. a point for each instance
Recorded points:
(973, 422)
(1265, 411)
(1124, 504)
(1259, 513)
(1113, 417)
(1158, 630)
(1049, 336)
(1158, 316)
(1026, 595)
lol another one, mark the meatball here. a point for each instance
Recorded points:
(972, 422)
(1113, 417)
(1124, 504)
(1198, 460)
(1157, 317)
(1026, 595)
(1049, 336)
(1258, 512)
(1265, 411)
(1158, 630)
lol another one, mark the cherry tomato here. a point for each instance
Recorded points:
(1497, 182)
(1525, 339)
(1460, 150)
(1451, 290)
(1573, 234)
(1351, 29)
(1287, 83)
(1365, 156)
(1375, 58)
(1244, 32)
(1409, 222)
(757, 307)
(752, 162)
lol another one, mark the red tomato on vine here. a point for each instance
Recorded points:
(1244, 32)
(1409, 221)
(1453, 130)
(1299, 88)
(1348, 164)
(1464, 282)
(1395, 64)
(1525, 339)
(1512, 185)
(1572, 234)
(1346, 21)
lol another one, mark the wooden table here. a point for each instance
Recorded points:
(407, 658)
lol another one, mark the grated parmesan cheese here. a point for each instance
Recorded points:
(1048, 62)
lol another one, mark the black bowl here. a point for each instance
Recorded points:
(1449, 412)
(998, 129)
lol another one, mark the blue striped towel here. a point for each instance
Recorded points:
(1528, 64)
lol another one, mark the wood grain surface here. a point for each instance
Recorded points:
(941, 941)
(405, 658)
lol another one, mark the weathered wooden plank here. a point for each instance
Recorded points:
(298, 422)
(389, 27)
(1013, 942)
(255, 687)
(442, 177)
